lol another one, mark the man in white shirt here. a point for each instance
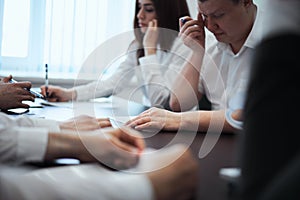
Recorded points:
(25, 140)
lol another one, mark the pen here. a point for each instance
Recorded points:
(46, 80)
(38, 95)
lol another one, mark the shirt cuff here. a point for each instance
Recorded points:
(51, 125)
(82, 92)
(234, 123)
(148, 59)
(32, 144)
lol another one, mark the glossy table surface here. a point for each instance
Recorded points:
(223, 154)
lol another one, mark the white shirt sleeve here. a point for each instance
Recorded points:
(20, 142)
(31, 144)
(156, 90)
(236, 101)
(88, 91)
(113, 84)
(160, 71)
(51, 125)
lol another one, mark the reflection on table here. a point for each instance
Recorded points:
(222, 155)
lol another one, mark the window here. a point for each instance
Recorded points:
(20, 35)
(16, 29)
(61, 33)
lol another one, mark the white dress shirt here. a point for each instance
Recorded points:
(24, 139)
(224, 75)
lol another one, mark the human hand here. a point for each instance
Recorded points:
(156, 119)
(151, 38)
(12, 94)
(85, 123)
(116, 148)
(192, 32)
(58, 94)
(129, 136)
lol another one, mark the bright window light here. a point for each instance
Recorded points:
(15, 28)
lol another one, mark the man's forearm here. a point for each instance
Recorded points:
(202, 120)
(64, 146)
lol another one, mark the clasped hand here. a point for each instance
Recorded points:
(151, 38)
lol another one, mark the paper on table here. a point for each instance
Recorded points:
(54, 104)
(31, 104)
(102, 100)
(119, 121)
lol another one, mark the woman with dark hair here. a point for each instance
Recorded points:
(153, 60)
(167, 14)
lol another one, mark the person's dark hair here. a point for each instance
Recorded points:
(168, 13)
(234, 1)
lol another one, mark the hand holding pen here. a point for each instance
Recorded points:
(56, 93)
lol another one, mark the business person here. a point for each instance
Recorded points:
(153, 58)
(12, 94)
(218, 68)
(270, 155)
(25, 140)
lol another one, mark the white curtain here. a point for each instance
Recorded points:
(74, 28)
(61, 33)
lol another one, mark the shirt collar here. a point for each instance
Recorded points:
(256, 33)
